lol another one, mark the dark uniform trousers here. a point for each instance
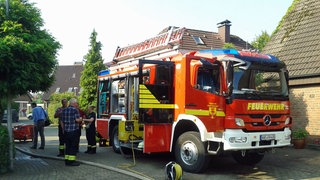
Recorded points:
(71, 146)
(91, 138)
(61, 140)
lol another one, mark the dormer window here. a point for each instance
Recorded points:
(70, 89)
(58, 90)
(198, 40)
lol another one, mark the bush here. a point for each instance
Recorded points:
(299, 133)
(4, 149)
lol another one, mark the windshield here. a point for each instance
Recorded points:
(259, 82)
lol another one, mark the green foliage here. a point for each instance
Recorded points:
(88, 80)
(55, 102)
(299, 133)
(260, 41)
(285, 16)
(4, 149)
(28, 52)
(229, 46)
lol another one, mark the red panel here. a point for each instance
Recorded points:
(102, 127)
(157, 137)
(23, 132)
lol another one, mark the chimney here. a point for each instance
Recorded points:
(224, 30)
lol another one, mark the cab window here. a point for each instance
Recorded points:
(208, 79)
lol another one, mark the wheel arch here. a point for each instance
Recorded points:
(187, 123)
(113, 122)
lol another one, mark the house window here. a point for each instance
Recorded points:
(74, 75)
(198, 40)
(58, 90)
(70, 89)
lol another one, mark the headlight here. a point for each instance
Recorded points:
(288, 120)
(239, 121)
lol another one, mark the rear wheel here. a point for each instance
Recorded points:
(247, 158)
(190, 152)
(115, 140)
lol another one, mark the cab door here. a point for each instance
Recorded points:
(156, 103)
(206, 100)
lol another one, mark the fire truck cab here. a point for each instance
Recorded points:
(196, 105)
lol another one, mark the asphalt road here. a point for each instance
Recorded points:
(285, 163)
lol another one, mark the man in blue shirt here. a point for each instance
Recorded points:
(70, 119)
(39, 116)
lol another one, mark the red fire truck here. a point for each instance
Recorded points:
(196, 105)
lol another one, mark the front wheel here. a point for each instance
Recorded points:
(247, 158)
(190, 152)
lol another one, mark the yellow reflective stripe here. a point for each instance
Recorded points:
(72, 158)
(198, 112)
(158, 106)
(93, 146)
(146, 96)
(149, 101)
(144, 91)
(66, 157)
(61, 147)
(142, 86)
(220, 114)
(201, 112)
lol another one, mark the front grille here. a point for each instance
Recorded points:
(257, 124)
(258, 116)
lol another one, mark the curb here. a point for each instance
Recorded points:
(87, 163)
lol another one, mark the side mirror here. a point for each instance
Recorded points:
(229, 77)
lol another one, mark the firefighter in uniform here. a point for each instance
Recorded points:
(57, 114)
(70, 118)
(91, 131)
(83, 116)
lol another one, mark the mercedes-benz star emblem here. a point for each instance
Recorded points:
(267, 120)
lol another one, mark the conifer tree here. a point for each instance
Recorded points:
(89, 77)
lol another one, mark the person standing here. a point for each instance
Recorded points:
(39, 116)
(57, 114)
(91, 131)
(70, 119)
(83, 116)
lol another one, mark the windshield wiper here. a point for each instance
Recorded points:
(251, 93)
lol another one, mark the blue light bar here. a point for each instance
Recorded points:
(104, 72)
(216, 52)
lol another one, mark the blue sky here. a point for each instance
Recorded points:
(125, 22)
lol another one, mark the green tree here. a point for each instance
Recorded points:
(88, 80)
(260, 41)
(55, 102)
(28, 53)
(229, 46)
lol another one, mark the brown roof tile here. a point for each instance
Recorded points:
(297, 42)
(66, 77)
(180, 38)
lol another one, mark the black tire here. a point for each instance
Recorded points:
(115, 140)
(190, 152)
(249, 158)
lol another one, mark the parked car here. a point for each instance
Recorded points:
(14, 115)
(29, 116)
